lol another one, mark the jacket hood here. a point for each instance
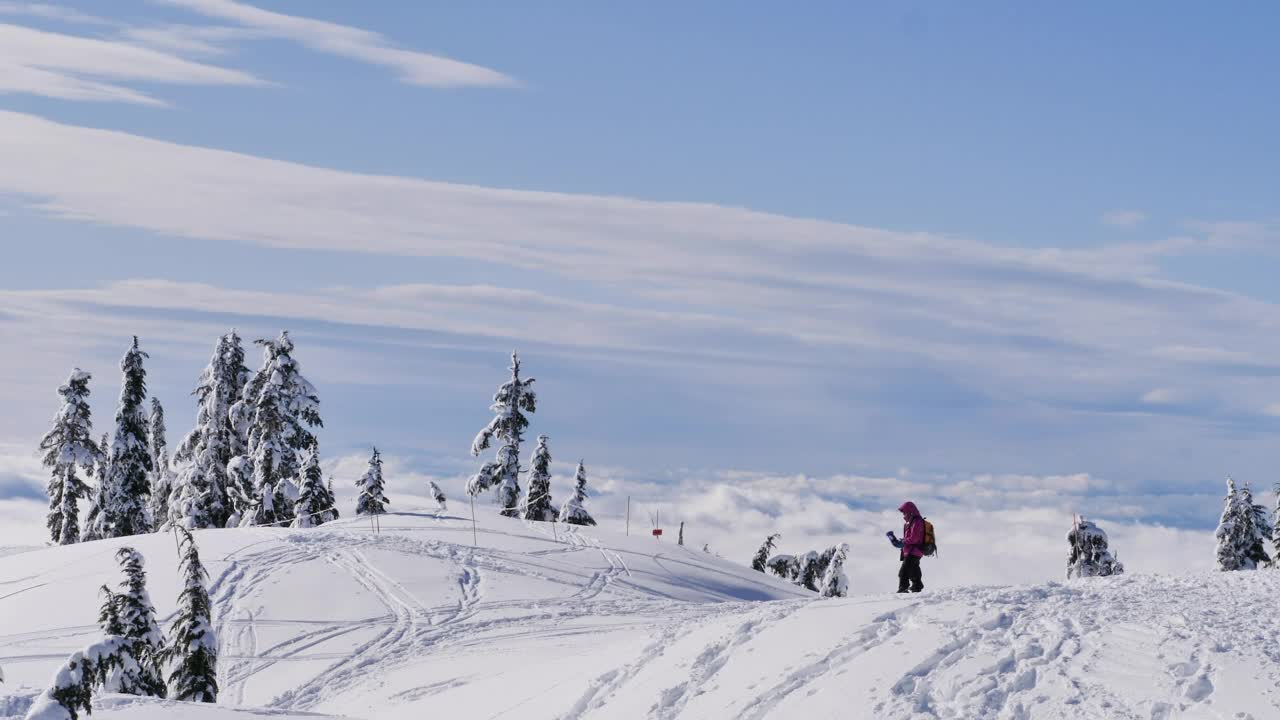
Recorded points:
(909, 508)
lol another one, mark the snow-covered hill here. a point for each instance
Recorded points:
(536, 622)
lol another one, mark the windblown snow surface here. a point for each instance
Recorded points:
(536, 622)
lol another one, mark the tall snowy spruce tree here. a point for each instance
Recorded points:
(68, 446)
(574, 510)
(1242, 531)
(760, 562)
(315, 504)
(279, 407)
(141, 675)
(371, 499)
(202, 497)
(128, 478)
(93, 521)
(514, 398)
(162, 470)
(834, 582)
(193, 649)
(537, 503)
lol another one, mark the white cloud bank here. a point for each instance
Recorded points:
(1015, 533)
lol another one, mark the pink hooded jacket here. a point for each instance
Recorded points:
(912, 530)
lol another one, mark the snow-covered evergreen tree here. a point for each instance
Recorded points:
(437, 494)
(162, 472)
(202, 497)
(809, 570)
(784, 566)
(371, 499)
(137, 616)
(760, 562)
(111, 624)
(1262, 529)
(1242, 531)
(574, 510)
(1275, 528)
(514, 398)
(1090, 555)
(128, 478)
(68, 446)
(537, 503)
(193, 651)
(812, 568)
(834, 582)
(71, 690)
(93, 521)
(315, 504)
(279, 407)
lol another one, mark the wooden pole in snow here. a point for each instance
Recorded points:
(628, 515)
(474, 541)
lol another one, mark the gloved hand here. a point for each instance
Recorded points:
(893, 540)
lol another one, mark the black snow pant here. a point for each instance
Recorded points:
(909, 575)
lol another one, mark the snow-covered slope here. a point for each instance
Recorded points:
(415, 622)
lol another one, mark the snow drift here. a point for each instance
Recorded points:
(537, 621)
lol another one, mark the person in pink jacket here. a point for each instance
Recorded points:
(912, 547)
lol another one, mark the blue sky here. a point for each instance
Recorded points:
(925, 242)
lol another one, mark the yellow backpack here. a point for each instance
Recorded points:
(930, 542)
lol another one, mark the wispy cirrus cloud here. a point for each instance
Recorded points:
(45, 11)
(412, 67)
(915, 327)
(71, 67)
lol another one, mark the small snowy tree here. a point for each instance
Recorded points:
(437, 494)
(1242, 531)
(128, 478)
(137, 616)
(1090, 556)
(574, 510)
(194, 648)
(68, 446)
(71, 690)
(784, 566)
(371, 499)
(834, 582)
(813, 565)
(315, 504)
(537, 504)
(760, 562)
(279, 407)
(162, 475)
(514, 398)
